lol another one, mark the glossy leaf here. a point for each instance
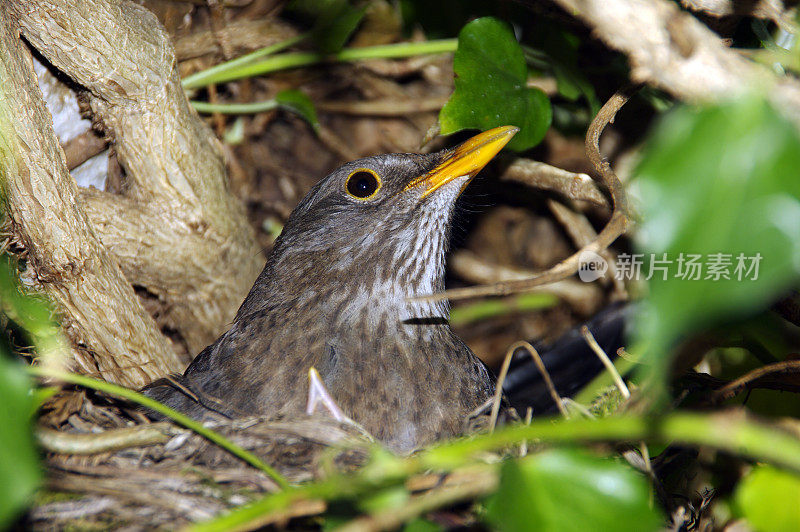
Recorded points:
(299, 103)
(769, 499)
(490, 86)
(719, 182)
(563, 490)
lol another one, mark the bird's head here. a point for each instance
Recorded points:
(375, 231)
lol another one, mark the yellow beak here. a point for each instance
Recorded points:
(467, 159)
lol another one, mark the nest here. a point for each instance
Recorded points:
(106, 465)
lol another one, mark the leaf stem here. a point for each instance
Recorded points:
(735, 434)
(181, 419)
(235, 108)
(246, 69)
(732, 433)
(208, 76)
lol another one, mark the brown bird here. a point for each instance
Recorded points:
(335, 295)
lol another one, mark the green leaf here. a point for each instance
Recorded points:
(19, 463)
(770, 500)
(31, 312)
(298, 102)
(490, 86)
(422, 525)
(718, 180)
(563, 490)
(334, 21)
(392, 497)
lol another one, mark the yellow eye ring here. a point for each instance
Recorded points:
(362, 184)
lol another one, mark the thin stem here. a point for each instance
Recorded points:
(735, 434)
(300, 59)
(181, 419)
(235, 108)
(210, 75)
(595, 347)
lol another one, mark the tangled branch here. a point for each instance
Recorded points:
(616, 226)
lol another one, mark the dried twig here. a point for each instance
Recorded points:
(545, 375)
(523, 448)
(572, 185)
(589, 337)
(498, 391)
(57, 441)
(583, 234)
(616, 226)
(744, 382)
(570, 403)
(584, 298)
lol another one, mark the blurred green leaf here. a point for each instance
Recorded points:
(32, 313)
(422, 525)
(770, 499)
(299, 103)
(563, 490)
(334, 21)
(393, 497)
(719, 182)
(19, 464)
(490, 86)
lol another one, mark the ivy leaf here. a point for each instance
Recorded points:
(490, 86)
(602, 495)
(334, 21)
(719, 182)
(770, 500)
(297, 102)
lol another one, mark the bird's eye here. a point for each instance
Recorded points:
(363, 184)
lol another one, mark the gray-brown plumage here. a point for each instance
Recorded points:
(334, 295)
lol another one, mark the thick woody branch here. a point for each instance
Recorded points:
(773, 10)
(176, 207)
(120, 53)
(111, 332)
(674, 51)
(140, 238)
